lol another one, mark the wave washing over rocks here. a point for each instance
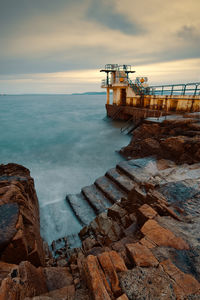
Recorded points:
(63, 141)
(144, 246)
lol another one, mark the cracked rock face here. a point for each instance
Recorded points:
(145, 246)
(174, 139)
(19, 217)
(9, 214)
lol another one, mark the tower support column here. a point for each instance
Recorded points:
(108, 95)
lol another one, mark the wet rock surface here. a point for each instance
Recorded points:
(144, 246)
(176, 138)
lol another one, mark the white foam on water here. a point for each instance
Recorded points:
(65, 143)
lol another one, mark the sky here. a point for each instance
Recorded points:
(59, 46)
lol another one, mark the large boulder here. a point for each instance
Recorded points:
(19, 217)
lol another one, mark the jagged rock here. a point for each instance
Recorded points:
(110, 272)
(185, 284)
(149, 244)
(161, 236)
(118, 262)
(151, 145)
(95, 251)
(147, 130)
(67, 292)
(107, 228)
(96, 280)
(39, 298)
(82, 294)
(177, 139)
(123, 297)
(147, 283)
(141, 255)
(25, 281)
(62, 262)
(9, 214)
(57, 277)
(174, 145)
(89, 243)
(144, 213)
(116, 212)
(5, 269)
(20, 226)
(136, 198)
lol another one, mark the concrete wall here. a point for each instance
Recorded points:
(166, 103)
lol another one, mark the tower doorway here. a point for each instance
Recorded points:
(123, 97)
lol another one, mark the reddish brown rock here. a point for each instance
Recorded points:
(136, 198)
(57, 277)
(116, 212)
(186, 284)
(9, 290)
(177, 140)
(25, 281)
(145, 242)
(95, 251)
(117, 261)
(110, 272)
(89, 243)
(147, 130)
(123, 297)
(20, 227)
(96, 280)
(105, 229)
(67, 292)
(163, 164)
(141, 255)
(174, 145)
(5, 269)
(162, 237)
(144, 213)
(9, 215)
(147, 283)
(151, 146)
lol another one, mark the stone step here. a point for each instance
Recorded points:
(81, 208)
(110, 189)
(123, 181)
(96, 198)
(139, 170)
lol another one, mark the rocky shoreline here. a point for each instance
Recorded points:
(144, 246)
(175, 137)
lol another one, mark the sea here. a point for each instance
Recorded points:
(66, 141)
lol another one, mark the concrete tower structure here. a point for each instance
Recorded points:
(117, 79)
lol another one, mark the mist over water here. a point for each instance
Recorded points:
(65, 143)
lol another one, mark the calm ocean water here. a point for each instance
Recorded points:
(65, 143)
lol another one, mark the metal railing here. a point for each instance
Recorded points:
(138, 89)
(104, 82)
(116, 67)
(192, 89)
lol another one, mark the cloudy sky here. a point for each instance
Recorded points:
(58, 46)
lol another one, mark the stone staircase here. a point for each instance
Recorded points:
(110, 188)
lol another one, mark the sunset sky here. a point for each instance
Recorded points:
(58, 46)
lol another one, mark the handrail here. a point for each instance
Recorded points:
(138, 89)
(105, 82)
(116, 67)
(126, 125)
(192, 89)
